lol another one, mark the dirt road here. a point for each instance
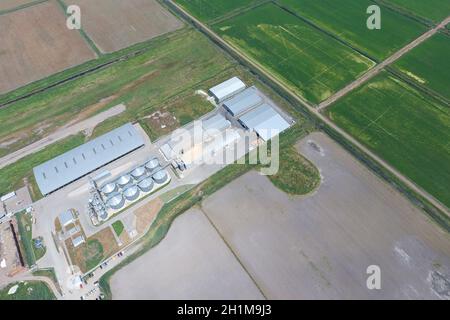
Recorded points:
(374, 71)
(63, 133)
(314, 110)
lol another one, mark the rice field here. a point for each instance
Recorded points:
(429, 64)
(435, 10)
(206, 10)
(347, 19)
(404, 127)
(313, 64)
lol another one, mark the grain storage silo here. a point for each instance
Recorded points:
(152, 165)
(131, 193)
(124, 180)
(160, 176)
(138, 173)
(109, 188)
(116, 202)
(146, 185)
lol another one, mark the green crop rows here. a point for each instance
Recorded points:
(404, 127)
(309, 61)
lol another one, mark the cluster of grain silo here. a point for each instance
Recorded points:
(130, 186)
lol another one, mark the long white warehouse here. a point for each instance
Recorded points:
(76, 163)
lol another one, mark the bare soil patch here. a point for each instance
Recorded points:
(146, 214)
(11, 4)
(117, 24)
(34, 46)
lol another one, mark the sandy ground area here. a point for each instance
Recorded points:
(320, 246)
(34, 46)
(191, 263)
(117, 24)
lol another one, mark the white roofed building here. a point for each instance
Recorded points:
(227, 89)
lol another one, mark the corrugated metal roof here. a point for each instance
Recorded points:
(265, 121)
(243, 101)
(227, 88)
(78, 241)
(217, 122)
(66, 217)
(86, 158)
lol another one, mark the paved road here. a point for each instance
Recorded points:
(374, 71)
(315, 110)
(60, 134)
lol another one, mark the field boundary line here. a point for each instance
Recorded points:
(316, 114)
(405, 12)
(83, 33)
(21, 7)
(237, 12)
(231, 250)
(379, 67)
(322, 30)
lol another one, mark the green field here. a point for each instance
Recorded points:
(30, 290)
(310, 62)
(118, 227)
(402, 126)
(429, 64)
(173, 66)
(435, 10)
(347, 19)
(206, 10)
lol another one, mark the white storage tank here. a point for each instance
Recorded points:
(152, 164)
(124, 180)
(103, 215)
(109, 188)
(146, 185)
(138, 173)
(160, 176)
(131, 193)
(116, 202)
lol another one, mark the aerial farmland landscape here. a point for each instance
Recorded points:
(253, 150)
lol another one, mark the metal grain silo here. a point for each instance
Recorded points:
(160, 176)
(146, 185)
(109, 188)
(124, 180)
(138, 172)
(116, 202)
(131, 193)
(152, 165)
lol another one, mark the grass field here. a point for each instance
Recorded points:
(182, 62)
(429, 64)
(30, 290)
(435, 10)
(296, 175)
(310, 62)
(206, 10)
(348, 20)
(118, 227)
(402, 126)
(25, 226)
(14, 174)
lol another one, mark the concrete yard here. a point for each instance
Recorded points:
(311, 247)
(191, 263)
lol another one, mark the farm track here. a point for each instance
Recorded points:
(71, 129)
(316, 111)
(374, 71)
